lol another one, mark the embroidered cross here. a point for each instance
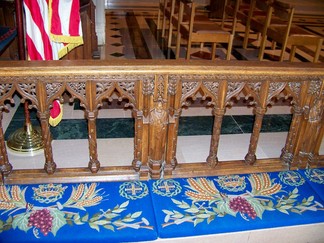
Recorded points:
(292, 178)
(166, 187)
(317, 176)
(133, 189)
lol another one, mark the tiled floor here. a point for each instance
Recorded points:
(119, 151)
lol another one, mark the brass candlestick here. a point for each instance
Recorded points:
(27, 139)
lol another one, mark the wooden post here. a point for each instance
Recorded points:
(218, 112)
(5, 166)
(43, 114)
(91, 115)
(260, 110)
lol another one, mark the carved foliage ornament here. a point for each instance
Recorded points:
(4, 89)
(78, 89)
(172, 88)
(212, 87)
(188, 88)
(128, 89)
(275, 88)
(103, 87)
(234, 89)
(295, 88)
(52, 89)
(314, 87)
(148, 86)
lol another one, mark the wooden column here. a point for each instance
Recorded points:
(218, 113)
(290, 150)
(43, 114)
(260, 110)
(91, 115)
(174, 105)
(5, 166)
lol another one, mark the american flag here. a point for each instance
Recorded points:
(53, 28)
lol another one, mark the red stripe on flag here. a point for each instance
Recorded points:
(32, 50)
(75, 18)
(56, 28)
(37, 17)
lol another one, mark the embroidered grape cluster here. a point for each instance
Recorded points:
(240, 204)
(41, 219)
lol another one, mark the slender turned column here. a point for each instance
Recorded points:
(91, 115)
(94, 163)
(50, 165)
(5, 166)
(262, 98)
(43, 115)
(287, 153)
(250, 158)
(212, 159)
(218, 112)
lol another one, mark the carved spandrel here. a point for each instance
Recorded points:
(77, 90)
(275, 88)
(212, 87)
(233, 91)
(5, 89)
(104, 87)
(255, 87)
(28, 92)
(295, 88)
(189, 89)
(53, 88)
(6, 93)
(127, 89)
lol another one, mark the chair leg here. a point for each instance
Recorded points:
(246, 37)
(188, 50)
(229, 48)
(178, 45)
(273, 45)
(170, 35)
(282, 54)
(262, 47)
(318, 50)
(292, 53)
(213, 51)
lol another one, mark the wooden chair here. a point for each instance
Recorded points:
(286, 33)
(235, 9)
(164, 14)
(256, 17)
(174, 15)
(201, 32)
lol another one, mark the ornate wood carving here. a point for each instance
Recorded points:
(157, 90)
(157, 138)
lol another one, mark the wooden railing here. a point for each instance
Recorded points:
(156, 91)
